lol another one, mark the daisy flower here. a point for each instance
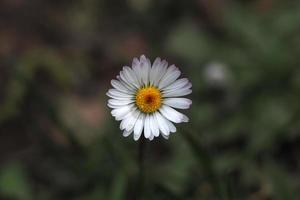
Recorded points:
(144, 97)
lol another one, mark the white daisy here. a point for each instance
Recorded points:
(144, 98)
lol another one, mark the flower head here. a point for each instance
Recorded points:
(144, 97)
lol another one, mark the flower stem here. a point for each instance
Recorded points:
(141, 166)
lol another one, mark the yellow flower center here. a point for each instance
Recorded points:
(148, 99)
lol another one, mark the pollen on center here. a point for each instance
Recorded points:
(148, 99)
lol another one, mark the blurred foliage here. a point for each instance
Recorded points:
(58, 140)
(13, 182)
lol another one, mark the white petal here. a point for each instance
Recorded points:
(187, 85)
(165, 136)
(163, 126)
(129, 86)
(119, 86)
(135, 62)
(120, 113)
(129, 118)
(118, 102)
(117, 93)
(138, 127)
(172, 128)
(181, 103)
(130, 76)
(180, 83)
(147, 129)
(159, 72)
(145, 67)
(118, 97)
(173, 115)
(123, 123)
(154, 70)
(127, 133)
(154, 126)
(177, 93)
(114, 106)
(128, 80)
(170, 76)
(137, 70)
(151, 137)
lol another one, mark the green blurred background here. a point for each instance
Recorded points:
(58, 140)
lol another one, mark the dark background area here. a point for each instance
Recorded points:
(59, 141)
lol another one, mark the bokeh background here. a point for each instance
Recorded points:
(58, 140)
